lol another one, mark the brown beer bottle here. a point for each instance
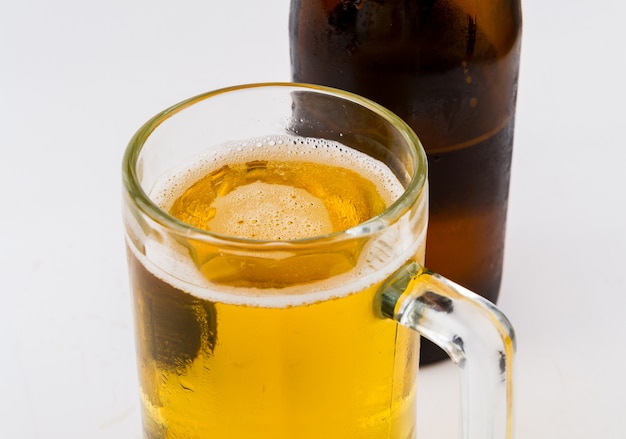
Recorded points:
(449, 68)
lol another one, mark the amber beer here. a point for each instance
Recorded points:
(449, 68)
(285, 347)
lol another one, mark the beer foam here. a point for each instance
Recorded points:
(280, 147)
(270, 212)
(378, 260)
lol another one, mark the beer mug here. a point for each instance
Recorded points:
(275, 236)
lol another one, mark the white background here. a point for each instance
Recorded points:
(77, 78)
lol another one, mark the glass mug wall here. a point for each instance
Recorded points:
(275, 237)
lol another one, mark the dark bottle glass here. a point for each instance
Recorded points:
(449, 68)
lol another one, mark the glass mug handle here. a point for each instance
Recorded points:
(474, 333)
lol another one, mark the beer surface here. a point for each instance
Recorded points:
(278, 200)
(304, 359)
(277, 188)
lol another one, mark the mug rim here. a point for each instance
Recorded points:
(390, 215)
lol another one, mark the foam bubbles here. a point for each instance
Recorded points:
(283, 148)
(270, 212)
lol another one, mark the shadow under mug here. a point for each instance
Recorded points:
(313, 337)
